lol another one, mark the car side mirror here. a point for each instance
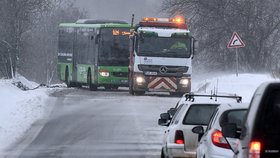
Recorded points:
(198, 130)
(229, 130)
(165, 116)
(163, 122)
(172, 111)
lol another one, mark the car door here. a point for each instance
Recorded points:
(197, 115)
(173, 124)
(204, 143)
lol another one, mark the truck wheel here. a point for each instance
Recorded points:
(131, 88)
(139, 92)
(92, 87)
(176, 94)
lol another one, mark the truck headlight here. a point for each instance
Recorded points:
(184, 81)
(140, 79)
(104, 74)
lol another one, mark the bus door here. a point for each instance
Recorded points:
(75, 56)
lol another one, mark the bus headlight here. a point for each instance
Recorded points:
(140, 79)
(104, 74)
(184, 81)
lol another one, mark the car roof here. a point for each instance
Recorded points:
(206, 100)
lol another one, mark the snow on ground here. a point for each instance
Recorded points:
(19, 109)
(243, 85)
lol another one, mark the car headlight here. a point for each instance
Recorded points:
(140, 79)
(104, 74)
(184, 81)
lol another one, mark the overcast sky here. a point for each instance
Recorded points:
(121, 9)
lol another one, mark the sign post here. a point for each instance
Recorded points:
(236, 42)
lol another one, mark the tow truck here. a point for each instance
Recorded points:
(161, 53)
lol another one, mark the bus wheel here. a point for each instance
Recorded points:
(67, 82)
(92, 87)
(108, 87)
(114, 87)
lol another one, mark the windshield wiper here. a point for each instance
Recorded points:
(146, 52)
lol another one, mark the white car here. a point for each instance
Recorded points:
(212, 144)
(179, 140)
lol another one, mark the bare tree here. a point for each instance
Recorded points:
(39, 58)
(213, 23)
(17, 18)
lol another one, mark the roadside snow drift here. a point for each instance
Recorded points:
(243, 85)
(19, 109)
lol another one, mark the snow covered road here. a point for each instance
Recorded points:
(101, 124)
(81, 123)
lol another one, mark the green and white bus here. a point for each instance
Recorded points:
(94, 53)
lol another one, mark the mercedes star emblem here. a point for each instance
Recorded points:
(163, 69)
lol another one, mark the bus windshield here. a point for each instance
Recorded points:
(113, 50)
(154, 46)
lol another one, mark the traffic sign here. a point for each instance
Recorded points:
(235, 41)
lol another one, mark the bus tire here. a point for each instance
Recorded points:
(114, 87)
(108, 87)
(92, 87)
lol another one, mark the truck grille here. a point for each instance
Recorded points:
(170, 70)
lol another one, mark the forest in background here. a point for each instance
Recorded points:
(213, 23)
(28, 34)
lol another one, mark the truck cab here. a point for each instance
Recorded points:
(161, 52)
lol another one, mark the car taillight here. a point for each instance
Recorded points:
(179, 137)
(219, 140)
(255, 149)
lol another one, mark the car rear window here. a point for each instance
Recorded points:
(199, 114)
(233, 116)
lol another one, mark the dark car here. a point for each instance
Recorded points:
(260, 133)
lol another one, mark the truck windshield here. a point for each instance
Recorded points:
(175, 47)
(113, 50)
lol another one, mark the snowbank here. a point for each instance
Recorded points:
(244, 85)
(19, 109)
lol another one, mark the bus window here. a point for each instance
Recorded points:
(114, 49)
